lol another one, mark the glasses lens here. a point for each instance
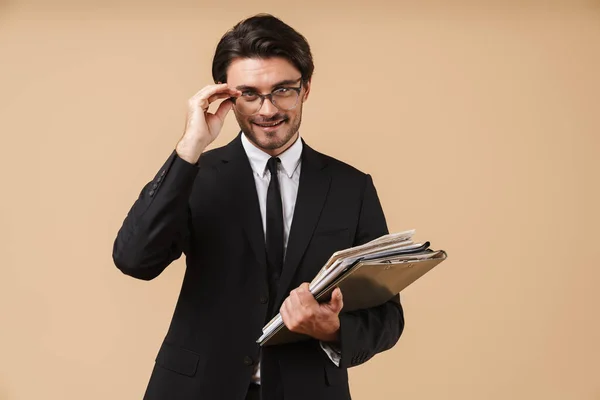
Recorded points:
(248, 105)
(285, 99)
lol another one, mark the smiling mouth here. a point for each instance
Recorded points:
(270, 124)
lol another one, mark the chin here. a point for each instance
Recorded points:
(272, 141)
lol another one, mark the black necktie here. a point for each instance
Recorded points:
(274, 227)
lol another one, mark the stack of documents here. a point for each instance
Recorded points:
(368, 275)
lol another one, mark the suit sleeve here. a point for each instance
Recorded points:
(155, 232)
(364, 333)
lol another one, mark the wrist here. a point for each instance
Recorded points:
(190, 151)
(333, 334)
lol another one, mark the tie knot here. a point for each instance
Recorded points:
(272, 165)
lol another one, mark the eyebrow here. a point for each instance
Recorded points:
(280, 83)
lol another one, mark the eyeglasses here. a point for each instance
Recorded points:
(284, 98)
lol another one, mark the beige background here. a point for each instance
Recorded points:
(479, 124)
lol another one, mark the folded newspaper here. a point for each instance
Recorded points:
(368, 275)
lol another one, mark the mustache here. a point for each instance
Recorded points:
(274, 118)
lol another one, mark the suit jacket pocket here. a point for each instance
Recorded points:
(178, 360)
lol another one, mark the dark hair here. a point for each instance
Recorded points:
(262, 36)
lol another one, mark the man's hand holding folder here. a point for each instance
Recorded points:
(367, 275)
(303, 314)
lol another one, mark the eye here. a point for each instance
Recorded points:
(284, 92)
(249, 94)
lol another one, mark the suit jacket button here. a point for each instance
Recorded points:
(151, 193)
(247, 360)
(154, 186)
(264, 299)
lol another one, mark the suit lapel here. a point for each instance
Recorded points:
(237, 173)
(312, 192)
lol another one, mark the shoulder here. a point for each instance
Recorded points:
(339, 168)
(212, 157)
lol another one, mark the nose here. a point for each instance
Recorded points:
(267, 109)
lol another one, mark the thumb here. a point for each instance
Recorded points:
(337, 301)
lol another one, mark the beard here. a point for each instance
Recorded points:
(270, 140)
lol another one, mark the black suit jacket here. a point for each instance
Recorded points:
(210, 212)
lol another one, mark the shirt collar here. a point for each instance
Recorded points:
(290, 159)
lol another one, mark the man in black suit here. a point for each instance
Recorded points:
(256, 220)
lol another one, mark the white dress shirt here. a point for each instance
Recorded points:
(288, 173)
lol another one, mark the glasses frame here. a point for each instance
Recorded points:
(270, 97)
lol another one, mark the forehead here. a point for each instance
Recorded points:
(261, 73)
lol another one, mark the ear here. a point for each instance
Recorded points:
(306, 87)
